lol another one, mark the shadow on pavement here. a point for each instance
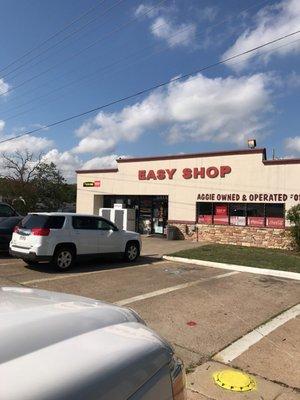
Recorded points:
(94, 265)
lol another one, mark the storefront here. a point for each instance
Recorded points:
(228, 197)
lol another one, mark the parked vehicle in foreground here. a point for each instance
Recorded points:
(7, 225)
(56, 346)
(61, 238)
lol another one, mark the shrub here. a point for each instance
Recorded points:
(293, 215)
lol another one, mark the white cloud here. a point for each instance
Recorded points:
(165, 27)
(174, 34)
(3, 87)
(2, 125)
(199, 108)
(101, 162)
(66, 162)
(93, 144)
(32, 143)
(271, 23)
(293, 143)
(145, 10)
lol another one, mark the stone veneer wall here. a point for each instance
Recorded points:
(238, 235)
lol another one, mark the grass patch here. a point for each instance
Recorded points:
(249, 256)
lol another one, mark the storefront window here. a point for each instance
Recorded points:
(221, 216)
(204, 213)
(241, 214)
(275, 215)
(256, 214)
(237, 212)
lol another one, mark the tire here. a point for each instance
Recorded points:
(132, 251)
(63, 259)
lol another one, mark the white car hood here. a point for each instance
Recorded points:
(57, 346)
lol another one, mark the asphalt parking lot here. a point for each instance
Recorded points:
(200, 310)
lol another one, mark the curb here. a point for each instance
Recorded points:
(240, 268)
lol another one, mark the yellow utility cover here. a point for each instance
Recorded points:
(236, 381)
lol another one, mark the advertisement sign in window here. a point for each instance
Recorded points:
(256, 221)
(221, 214)
(205, 219)
(274, 222)
(236, 220)
(221, 209)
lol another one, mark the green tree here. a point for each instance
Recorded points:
(30, 184)
(293, 216)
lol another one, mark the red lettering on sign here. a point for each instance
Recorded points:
(187, 173)
(142, 175)
(224, 170)
(171, 172)
(151, 175)
(199, 172)
(212, 172)
(161, 175)
(97, 183)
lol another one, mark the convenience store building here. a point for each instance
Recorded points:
(236, 197)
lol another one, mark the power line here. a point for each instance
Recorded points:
(108, 72)
(74, 32)
(91, 21)
(84, 49)
(64, 28)
(83, 78)
(120, 100)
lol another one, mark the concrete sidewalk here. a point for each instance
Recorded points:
(273, 362)
(202, 387)
(156, 246)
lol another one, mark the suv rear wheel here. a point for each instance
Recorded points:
(132, 251)
(64, 258)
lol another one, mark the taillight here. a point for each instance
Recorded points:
(178, 379)
(40, 231)
(16, 229)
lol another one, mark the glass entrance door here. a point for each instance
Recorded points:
(160, 215)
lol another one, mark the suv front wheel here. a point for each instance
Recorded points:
(64, 258)
(132, 251)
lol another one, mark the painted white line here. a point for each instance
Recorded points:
(82, 274)
(241, 345)
(233, 267)
(172, 289)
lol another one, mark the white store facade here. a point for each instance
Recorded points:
(229, 196)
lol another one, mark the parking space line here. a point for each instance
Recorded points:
(241, 345)
(72, 275)
(172, 289)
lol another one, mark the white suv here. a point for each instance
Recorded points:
(62, 237)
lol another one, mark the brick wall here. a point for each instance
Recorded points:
(238, 235)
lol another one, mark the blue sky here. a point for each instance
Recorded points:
(136, 44)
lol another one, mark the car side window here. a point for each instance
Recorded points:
(104, 225)
(84, 223)
(6, 211)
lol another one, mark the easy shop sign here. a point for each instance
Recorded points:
(185, 173)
